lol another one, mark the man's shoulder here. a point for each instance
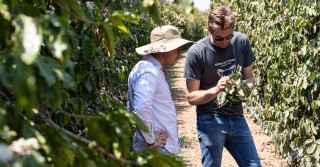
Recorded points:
(202, 42)
(199, 45)
(240, 35)
(144, 66)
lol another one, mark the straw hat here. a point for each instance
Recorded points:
(163, 39)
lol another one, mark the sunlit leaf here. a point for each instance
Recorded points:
(28, 38)
(311, 148)
(4, 11)
(152, 8)
(108, 40)
(115, 20)
(303, 50)
(126, 16)
(38, 157)
(147, 3)
(59, 46)
(187, 5)
(116, 150)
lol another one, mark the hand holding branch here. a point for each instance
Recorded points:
(224, 82)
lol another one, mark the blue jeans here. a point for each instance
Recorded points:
(216, 132)
(139, 144)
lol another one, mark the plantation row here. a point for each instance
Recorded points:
(63, 79)
(64, 68)
(285, 36)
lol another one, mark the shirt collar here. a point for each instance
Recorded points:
(153, 60)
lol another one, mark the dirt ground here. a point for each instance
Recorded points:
(191, 154)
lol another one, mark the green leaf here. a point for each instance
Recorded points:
(221, 98)
(88, 86)
(317, 154)
(108, 40)
(46, 71)
(76, 8)
(303, 50)
(314, 128)
(115, 20)
(64, 77)
(42, 142)
(125, 16)
(68, 154)
(4, 11)
(187, 5)
(116, 150)
(93, 11)
(59, 46)
(308, 141)
(49, 66)
(75, 44)
(40, 159)
(43, 4)
(28, 38)
(311, 148)
(118, 16)
(147, 3)
(88, 48)
(157, 158)
(152, 8)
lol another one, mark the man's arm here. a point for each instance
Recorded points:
(248, 76)
(197, 97)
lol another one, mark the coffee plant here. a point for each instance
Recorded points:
(64, 68)
(63, 82)
(285, 36)
(192, 26)
(235, 92)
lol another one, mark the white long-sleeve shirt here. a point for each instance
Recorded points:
(150, 99)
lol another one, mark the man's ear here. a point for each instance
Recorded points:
(209, 29)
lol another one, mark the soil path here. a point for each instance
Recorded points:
(191, 155)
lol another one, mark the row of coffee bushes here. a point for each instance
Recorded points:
(192, 26)
(285, 36)
(63, 81)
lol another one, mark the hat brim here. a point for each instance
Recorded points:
(162, 46)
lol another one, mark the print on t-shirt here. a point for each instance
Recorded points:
(223, 71)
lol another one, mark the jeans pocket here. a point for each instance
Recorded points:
(206, 119)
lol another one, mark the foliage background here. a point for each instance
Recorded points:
(285, 36)
(63, 80)
(64, 68)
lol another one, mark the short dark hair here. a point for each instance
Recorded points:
(221, 17)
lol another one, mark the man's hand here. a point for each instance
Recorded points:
(161, 139)
(223, 83)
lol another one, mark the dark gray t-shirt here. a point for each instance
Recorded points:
(208, 63)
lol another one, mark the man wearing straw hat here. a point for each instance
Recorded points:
(149, 95)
